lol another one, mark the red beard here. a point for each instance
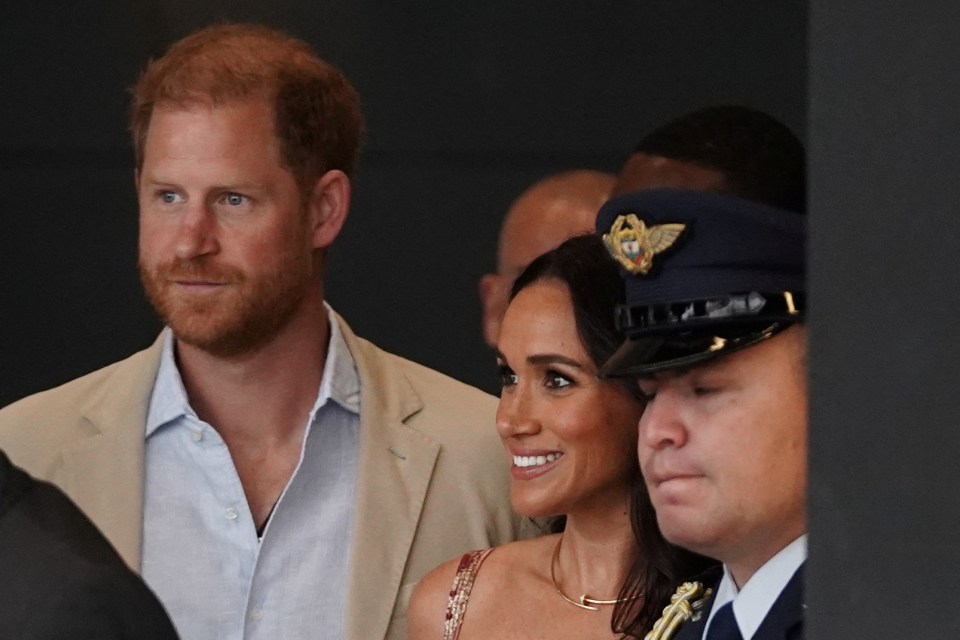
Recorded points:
(243, 312)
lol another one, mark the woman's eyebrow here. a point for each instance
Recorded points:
(553, 358)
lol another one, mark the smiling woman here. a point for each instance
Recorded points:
(554, 405)
(571, 440)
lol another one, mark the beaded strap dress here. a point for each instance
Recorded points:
(460, 591)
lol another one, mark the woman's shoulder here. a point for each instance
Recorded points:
(426, 614)
(454, 578)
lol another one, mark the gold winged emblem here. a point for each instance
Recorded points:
(684, 605)
(633, 244)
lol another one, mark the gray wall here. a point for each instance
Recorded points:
(884, 143)
(467, 103)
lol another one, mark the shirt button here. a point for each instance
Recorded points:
(256, 615)
(196, 434)
(231, 513)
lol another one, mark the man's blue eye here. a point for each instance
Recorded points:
(169, 197)
(234, 199)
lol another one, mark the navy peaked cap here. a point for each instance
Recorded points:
(704, 274)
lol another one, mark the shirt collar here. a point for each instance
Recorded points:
(168, 401)
(340, 382)
(752, 603)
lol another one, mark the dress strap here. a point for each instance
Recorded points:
(460, 591)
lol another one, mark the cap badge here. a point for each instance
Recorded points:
(633, 244)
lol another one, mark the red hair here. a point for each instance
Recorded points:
(317, 115)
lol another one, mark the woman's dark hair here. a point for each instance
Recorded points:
(656, 571)
(593, 279)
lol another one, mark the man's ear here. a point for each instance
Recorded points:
(493, 298)
(327, 206)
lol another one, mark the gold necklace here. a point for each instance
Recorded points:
(585, 602)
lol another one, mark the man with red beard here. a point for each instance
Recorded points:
(271, 474)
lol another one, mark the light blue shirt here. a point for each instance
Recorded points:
(752, 603)
(201, 554)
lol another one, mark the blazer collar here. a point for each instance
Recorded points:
(110, 453)
(395, 466)
(396, 463)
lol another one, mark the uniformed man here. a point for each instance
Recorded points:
(716, 340)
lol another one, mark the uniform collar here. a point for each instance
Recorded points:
(752, 603)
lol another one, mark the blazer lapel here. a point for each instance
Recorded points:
(395, 466)
(103, 470)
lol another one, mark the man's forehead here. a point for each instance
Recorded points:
(539, 225)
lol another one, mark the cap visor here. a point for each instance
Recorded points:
(651, 353)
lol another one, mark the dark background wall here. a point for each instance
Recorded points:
(467, 103)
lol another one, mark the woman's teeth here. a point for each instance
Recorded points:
(534, 461)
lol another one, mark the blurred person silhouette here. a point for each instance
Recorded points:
(545, 214)
(724, 149)
(61, 578)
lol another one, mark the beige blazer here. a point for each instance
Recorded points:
(433, 480)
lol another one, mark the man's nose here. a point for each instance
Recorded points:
(197, 233)
(661, 424)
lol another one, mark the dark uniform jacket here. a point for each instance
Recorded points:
(784, 621)
(59, 577)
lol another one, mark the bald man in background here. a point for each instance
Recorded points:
(548, 212)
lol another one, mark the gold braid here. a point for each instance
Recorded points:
(684, 604)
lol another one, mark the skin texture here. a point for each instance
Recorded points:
(231, 254)
(644, 171)
(225, 253)
(723, 448)
(540, 219)
(552, 402)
